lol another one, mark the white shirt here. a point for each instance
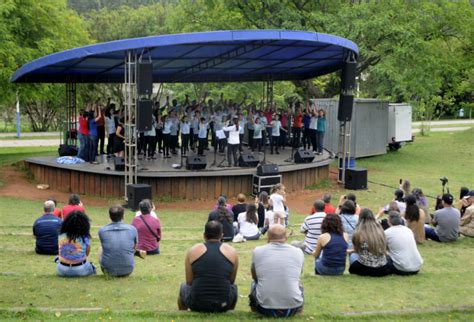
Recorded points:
(277, 202)
(313, 124)
(185, 127)
(233, 134)
(246, 228)
(152, 213)
(276, 125)
(110, 125)
(402, 249)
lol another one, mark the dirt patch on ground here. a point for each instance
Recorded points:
(17, 184)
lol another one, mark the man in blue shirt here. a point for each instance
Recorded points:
(118, 242)
(45, 230)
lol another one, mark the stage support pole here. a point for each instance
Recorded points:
(131, 135)
(347, 88)
(70, 119)
(18, 131)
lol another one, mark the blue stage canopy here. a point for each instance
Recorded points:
(218, 56)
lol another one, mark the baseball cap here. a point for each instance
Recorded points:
(448, 198)
(470, 193)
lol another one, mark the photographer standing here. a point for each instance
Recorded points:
(446, 222)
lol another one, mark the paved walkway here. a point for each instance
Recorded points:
(22, 143)
(29, 134)
(444, 129)
(447, 122)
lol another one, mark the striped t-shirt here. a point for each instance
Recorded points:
(312, 227)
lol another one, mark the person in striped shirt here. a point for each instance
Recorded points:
(311, 227)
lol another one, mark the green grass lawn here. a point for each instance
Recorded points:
(442, 291)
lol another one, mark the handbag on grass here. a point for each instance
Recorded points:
(149, 228)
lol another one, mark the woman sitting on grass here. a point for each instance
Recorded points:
(370, 246)
(331, 249)
(74, 246)
(248, 222)
(415, 219)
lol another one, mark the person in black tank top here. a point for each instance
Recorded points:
(211, 269)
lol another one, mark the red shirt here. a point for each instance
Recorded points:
(83, 126)
(268, 116)
(58, 213)
(146, 240)
(329, 209)
(67, 209)
(284, 120)
(298, 121)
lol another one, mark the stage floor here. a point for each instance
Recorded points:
(161, 167)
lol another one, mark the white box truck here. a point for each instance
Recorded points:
(399, 125)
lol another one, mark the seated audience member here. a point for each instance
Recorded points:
(248, 222)
(349, 219)
(405, 258)
(370, 247)
(328, 208)
(343, 199)
(57, 212)
(467, 221)
(148, 228)
(331, 249)
(276, 269)
(398, 198)
(311, 227)
(211, 269)
(446, 222)
(278, 200)
(118, 241)
(422, 203)
(219, 201)
(74, 246)
(74, 203)
(152, 212)
(241, 206)
(462, 203)
(226, 218)
(46, 229)
(415, 219)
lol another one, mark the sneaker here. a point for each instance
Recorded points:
(142, 254)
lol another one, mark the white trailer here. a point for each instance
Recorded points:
(399, 125)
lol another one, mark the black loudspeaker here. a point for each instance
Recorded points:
(248, 160)
(67, 150)
(268, 169)
(356, 179)
(194, 162)
(304, 156)
(119, 164)
(348, 76)
(346, 103)
(144, 115)
(145, 79)
(136, 193)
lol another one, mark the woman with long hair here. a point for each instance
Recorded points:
(331, 249)
(370, 247)
(74, 246)
(415, 219)
(248, 223)
(422, 203)
(226, 218)
(119, 145)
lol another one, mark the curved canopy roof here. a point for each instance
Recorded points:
(218, 56)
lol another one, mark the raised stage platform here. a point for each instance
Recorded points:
(101, 179)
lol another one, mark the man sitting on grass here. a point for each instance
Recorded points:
(119, 241)
(211, 269)
(276, 268)
(46, 230)
(446, 221)
(401, 244)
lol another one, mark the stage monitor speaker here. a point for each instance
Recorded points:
(348, 76)
(144, 115)
(119, 164)
(194, 162)
(304, 156)
(248, 161)
(67, 150)
(145, 78)
(346, 103)
(136, 193)
(356, 179)
(269, 169)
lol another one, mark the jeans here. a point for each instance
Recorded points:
(84, 147)
(320, 269)
(101, 138)
(92, 148)
(276, 313)
(85, 269)
(430, 233)
(320, 139)
(232, 153)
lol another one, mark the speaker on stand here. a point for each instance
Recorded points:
(145, 78)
